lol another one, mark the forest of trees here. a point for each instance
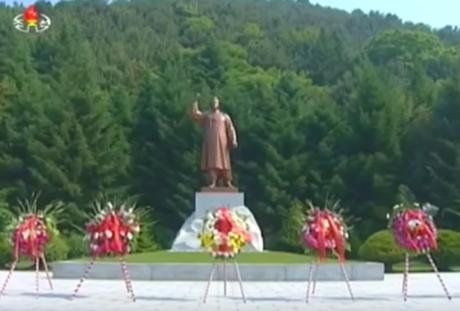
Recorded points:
(326, 104)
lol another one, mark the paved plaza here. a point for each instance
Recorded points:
(425, 293)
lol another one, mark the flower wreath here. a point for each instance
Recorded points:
(32, 230)
(112, 230)
(413, 226)
(224, 233)
(325, 230)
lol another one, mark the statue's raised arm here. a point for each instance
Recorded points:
(197, 115)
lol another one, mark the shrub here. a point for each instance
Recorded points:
(381, 247)
(164, 235)
(57, 249)
(291, 226)
(146, 240)
(77, 246)
(354, 242)
(6, 218)
(448, 253)
(5, 250)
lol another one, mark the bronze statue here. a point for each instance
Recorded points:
(219, 138)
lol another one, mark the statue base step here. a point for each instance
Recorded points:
(219, 189)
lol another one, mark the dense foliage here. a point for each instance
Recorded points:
(324, 102)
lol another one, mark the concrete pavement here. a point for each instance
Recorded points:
(425, 293)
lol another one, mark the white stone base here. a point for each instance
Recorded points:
(209, 201)
(187, 237)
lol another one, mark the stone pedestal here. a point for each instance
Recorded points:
(187, 237)
(209, 201)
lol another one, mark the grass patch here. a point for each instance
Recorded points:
(418, 266)
(22, 265)
(415, 266)
(202, 257)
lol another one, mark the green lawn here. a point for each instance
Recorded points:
(417, 266)
(189, 257)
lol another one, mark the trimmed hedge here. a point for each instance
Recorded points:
(448, 253)
(381, 247)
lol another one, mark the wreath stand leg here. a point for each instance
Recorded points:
(225, 277)
(345, 275)
(405, 277)
(5, 284)
(37, 276)
(211, 275)
(238, 274)
(435, 269)
(47, 271)
(127, 279)
(310, 276)
(84, 277)
(315, 277)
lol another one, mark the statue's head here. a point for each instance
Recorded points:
(215, 104)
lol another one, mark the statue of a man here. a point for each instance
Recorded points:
(219, 138)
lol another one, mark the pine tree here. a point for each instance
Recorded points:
(78, 150)
(443, 165)
(166, 145)
(376, 118)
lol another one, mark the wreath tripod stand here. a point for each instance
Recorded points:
(435, 269)
(312, 278)
(124, 271)
(223, 263)
(37, 273)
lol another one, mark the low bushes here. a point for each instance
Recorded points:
(381, 247)
(77, 246)
(5, 250)
(448, 253)
(57, 249)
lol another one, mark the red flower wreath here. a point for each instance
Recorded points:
(30, 237)
(112, 230)
(413, 227)
(325, 230)
(31, 230)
